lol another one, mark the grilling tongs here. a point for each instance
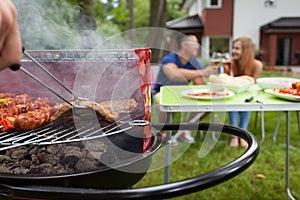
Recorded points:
(16, 67)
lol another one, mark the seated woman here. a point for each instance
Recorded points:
(243, 63)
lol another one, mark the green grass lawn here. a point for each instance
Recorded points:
(270, 163)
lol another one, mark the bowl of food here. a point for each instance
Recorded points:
(275, 82)
(236, 84)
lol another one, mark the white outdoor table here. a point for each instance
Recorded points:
(171, 100)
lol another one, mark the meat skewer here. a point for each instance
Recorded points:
(15, 100)
(32, 119)
(17, 105)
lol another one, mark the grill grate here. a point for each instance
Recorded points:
(82, 55)
(65, 132)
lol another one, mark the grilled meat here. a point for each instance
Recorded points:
(110, 110)
(16, 112)
(66, 109)
(32, 119)
(120, 106)
(15, 100)
(23, 113)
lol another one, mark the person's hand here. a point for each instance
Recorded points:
(212, 69)
(10, 39)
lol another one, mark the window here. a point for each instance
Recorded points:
(270, 3)
(219, 44)
(213, 3)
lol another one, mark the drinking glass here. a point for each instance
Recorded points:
(216, 58)
(226, 62)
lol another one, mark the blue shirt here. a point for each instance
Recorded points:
(162, 79)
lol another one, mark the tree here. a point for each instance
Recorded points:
(158, 13)
(130, 7)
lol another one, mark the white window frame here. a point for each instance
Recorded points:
(208, 4)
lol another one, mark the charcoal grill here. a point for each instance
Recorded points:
(121, 176)
(169, 190)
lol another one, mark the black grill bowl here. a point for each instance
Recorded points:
(167, 190)
(122, 175)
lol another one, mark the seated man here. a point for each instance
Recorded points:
(182, 67)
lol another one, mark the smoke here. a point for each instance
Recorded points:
(48, 24)
(54, 25)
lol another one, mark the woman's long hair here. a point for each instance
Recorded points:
(245, 65)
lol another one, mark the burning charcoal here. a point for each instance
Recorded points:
(67, 149)
(20, 170)
(35, 149)
(76, 144)
(18, 153)
(42, 168)
(35, 159)
(69, 160)
(41, 155)
(95, 145)
(26, 163)
(85, 164)
(46, 157)
(72, 155)
(4, 169)
(56, 150)
(4, 158)
(61, 171)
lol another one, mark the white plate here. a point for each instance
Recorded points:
(235, 88)
(283, 96)
(187, 93)
(275, 82)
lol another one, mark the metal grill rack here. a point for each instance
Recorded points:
(81, 55)
(65, 132)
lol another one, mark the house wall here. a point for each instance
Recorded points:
(246, 19)
(250, 15)
(218, 21)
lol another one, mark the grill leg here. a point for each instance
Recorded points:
(168, 151)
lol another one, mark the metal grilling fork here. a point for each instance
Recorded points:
(16, 67)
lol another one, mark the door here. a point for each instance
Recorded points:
(283, 51)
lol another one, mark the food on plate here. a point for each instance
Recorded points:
(275, 82)
(230, 80)
(296, 85)
(210, 93)
(293, 90)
